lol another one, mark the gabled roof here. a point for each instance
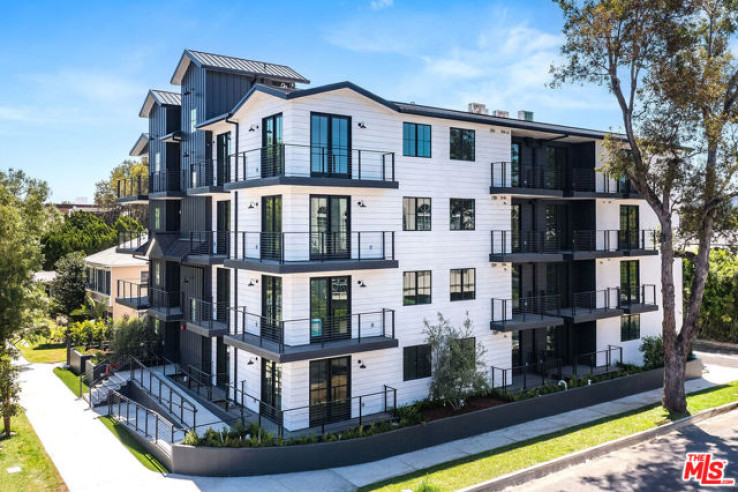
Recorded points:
(231, 64)
(111, 259)
(162, 98)
(141, 147)
(416, 109)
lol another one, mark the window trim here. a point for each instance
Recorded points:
(416, 140)
(415, 351)
(416, 295)
(628, 327)
(461, 217)
(415, 213)
(460, 157)
(462, 293)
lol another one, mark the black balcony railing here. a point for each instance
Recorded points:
(525, 308)
(132, 240)
(513, 175)
(638, 239)
(599, 362)
(265, 331)
(285, 247)
(311, 161)
(132, 187)
(167, 301)
(590, 240)
(163, 181)
(514, 242)
(644, 295)
(133, 292)
(595, 300)
(210, 243)
(211, 172)
(207, 314)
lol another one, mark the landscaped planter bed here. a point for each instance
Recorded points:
(209, 461)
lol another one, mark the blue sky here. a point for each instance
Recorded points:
(74, 78)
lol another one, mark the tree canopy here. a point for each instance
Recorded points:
(669, 66)
(106, 190)
(68, 288)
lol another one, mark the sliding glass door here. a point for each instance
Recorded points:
(330, 227)
(271, 227)
(630, 282)
(330, 308)
(272, 152)
(629, 225)
(271, 307)
(330, 145)
(223, 151)
(330, 390)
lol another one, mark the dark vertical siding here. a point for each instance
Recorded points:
(196, 214)
(194, 282)
(224, 90)
(190, 349)
(193, 97)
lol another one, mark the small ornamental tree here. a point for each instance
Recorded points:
(9, 387)
(457, 361)
(133, 337)
(68, 288)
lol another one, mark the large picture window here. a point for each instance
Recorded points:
(463, 284)
(416, 140)
(462, 144)
(416, 288)
(630, 327)
(416, 214)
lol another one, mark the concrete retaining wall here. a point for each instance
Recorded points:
(78, 362)
(188, 460)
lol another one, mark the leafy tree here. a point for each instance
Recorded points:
(9, 387)
(669, 67)
(133, 337)
(458, 361)
(719, 313)
(92, 309)
(23, 219)
(106, 191)
(68, 288)
(652, 349)
(84, 232)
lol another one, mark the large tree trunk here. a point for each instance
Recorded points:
(6, 426)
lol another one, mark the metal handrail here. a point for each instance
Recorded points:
(286, 247)
(515, 175)
(183, 405)
(645, 294)
(525, 308)
(312, 161)
(115, 408)
(593, 358)
(133, 239)
(133, 291)
(645, 239)
(135, 186)
(311, 331)
(165, 180)
(591, 301)
(209, 243)
(507, 241)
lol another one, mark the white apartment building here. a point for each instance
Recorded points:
(316, 230)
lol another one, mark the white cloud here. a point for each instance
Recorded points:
(380, 4)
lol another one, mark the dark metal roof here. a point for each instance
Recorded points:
(141, 147)
(235, 65)
(418, 109)
(163, 98)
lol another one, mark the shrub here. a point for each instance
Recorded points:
(652, 349)
(133, 337)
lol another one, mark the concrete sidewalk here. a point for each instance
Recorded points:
(89, 457)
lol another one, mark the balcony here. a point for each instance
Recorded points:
(553, 245)
(296, 252)
(165, 184)
(590, 183)
(638, 299)
(132, 294)
(132, 242)
(209, 319)
(593, 305)
(133, 191)
(165, 305)
(306, 165)
(515, 179)
(526, 313)
(311, 338)
(208, 177)
(208, 247)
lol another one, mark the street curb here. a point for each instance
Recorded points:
(541, 470)
(707, 345)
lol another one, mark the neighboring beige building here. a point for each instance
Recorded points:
(115, 276)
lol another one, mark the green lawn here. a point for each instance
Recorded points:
(70, 379)
(44, 353)
(25, 450)
(147, 459)
(471, 470)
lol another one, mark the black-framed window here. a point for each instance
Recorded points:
(462, 214)
(416, 288)
(630, 327)
(416, 140)
(462, 144)
(463, 284)
(416, 214)
(416, 362)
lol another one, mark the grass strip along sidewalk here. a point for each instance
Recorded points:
(43, 353)
(124, 435)
(507, 459)
(24, 449)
